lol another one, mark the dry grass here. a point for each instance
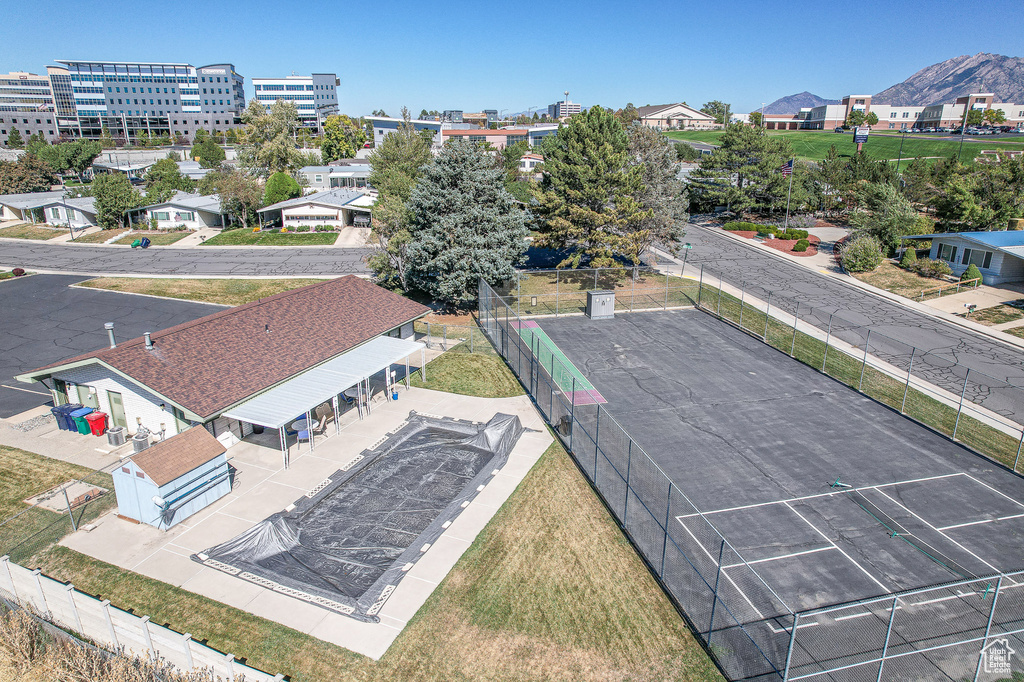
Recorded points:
(997, 314)
(101, 236)
(1015, 331)
(550, 590)
(223, 291)
(26, 474)
(27, 231)
(896, 280)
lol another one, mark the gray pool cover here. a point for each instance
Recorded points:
(344, 545)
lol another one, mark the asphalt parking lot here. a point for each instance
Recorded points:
(44, 319)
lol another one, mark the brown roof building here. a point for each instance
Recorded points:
(178, 455)
(205, 366)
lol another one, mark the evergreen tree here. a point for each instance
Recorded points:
(464, 225)
(114, 196)
(280, 186)
(589, 191)
(889, 215)
(395, 166)
(207, 152)
(163, 179)
(663, 194)
(14, 139)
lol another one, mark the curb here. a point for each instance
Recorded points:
(993, 334)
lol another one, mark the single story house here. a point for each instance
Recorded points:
(26, 206)
(321, 339)
(348, 176)
(192, 170)
(384, 126)
(338, 207)
(49, 207)
(192, 211)
(529, 162)
(134, 171)
(170, 481)
(999, 255)
(681, 115)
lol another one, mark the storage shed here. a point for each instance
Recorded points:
(168, 482)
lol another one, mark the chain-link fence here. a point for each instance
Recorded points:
(741, 619)
(456, 338)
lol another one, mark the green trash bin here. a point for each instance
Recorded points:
(79, 418)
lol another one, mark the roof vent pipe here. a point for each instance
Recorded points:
(109, 326)
(149, 341)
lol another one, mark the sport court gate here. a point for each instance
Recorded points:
(955, 630)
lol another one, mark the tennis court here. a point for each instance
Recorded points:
(818, 496)
(570, 379)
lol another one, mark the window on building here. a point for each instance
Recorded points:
(55, 213)
(161, 215)
(186, 215)
(947, 252)
(977, 257)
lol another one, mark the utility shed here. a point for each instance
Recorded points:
(168, 482)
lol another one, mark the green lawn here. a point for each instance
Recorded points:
(1015, 331)
(101, 236)
(458, 371)
(549, 590)
(814, 145)
(248, 238)
(156, 238)
(27, 231)
(223, 291)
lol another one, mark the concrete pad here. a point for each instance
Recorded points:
(169, 567)
(497, 491)
(285, 610)
(305, 473)
(266, 495)
(435, 564)
(216, 529)
(368, 639)
(222, 587)
(117, 541)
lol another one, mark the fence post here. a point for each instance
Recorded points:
(666, 292)
(519, 295)
(632, 289)
(6, 561)
(906, 390)
(230, 660)
(796, 318)
(743, 294)
(718, 312)
(597, 440)
(71, 515)
(556, 292)
(961, 408)
(39, 588)
(572, 412)
(865, 362)
(664, 542)
(888, 633)
(74, 608)
(714, 602)
(828, 335)
(789, 652)
(700, 284)
(444, 342)
(186, 640)
(988, 627)
(428, 334)
(596, 270)
(146, 636)
(767, 313)
(471, 334)
(629, 465)
(1019, 444)
(105, 605)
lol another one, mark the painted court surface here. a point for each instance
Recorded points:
(572, 382)
(755, 439)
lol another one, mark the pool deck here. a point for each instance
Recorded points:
(262, 487)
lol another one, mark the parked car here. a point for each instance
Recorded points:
(839, 130)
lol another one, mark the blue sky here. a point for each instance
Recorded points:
(476, 55)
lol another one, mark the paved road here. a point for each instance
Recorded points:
(188, 262)
(44, 320)
(944, 342)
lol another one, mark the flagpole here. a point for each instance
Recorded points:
(788, 196)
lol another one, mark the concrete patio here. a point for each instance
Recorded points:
(262, 487)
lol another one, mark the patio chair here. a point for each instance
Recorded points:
(318, 429)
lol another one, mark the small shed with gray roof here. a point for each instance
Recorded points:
(170, 481)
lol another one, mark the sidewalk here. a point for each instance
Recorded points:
(198, 237)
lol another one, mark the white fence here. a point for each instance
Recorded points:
(115, 629)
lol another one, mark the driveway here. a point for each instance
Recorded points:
(197, 261)
(45, 320)
(762, 272)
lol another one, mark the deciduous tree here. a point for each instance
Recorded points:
(269, 145)
(464, 225)
(114, 197)
(887, 215)
(27, 174)
(341, 139)
(663, 196)
(280, 187)
(207, 152)
(717, 109)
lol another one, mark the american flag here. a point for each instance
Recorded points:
(787, 168)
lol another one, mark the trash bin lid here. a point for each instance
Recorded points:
(81, 412)
(95, 416)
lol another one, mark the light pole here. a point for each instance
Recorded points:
(963, 127)
(762, 115)
(900, 156)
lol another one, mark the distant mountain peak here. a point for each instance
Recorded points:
(943, 82)
(791, 104)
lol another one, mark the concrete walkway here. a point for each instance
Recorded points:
(196, 238)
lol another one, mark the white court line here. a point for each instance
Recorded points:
(783, 556)
(727, 577)
(975, 523)
(998, 492)
(811, 497)
(855, 563)
(881, 492)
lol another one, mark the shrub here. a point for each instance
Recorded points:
(154, 224)
(926, 267)
(740, 226)
(861, 254)
(17, 272)
(803, 222)
(793, 234)
(909, 259)
(972, 272)
(301, 228)
(801, 246)
(324, 228)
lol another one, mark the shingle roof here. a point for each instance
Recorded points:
(649, 111)
(178, 455)
(329, 197)
(213, 362)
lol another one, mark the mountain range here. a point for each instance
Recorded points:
(943, 82)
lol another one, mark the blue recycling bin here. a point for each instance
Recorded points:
(65, 416)
(58, 415)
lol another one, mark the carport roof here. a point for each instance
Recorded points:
(293, 398)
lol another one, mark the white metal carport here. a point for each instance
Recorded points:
(299, 395)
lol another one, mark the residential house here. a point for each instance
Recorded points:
(353, 175)
(999, 255)
(340, 207)
(191, 211)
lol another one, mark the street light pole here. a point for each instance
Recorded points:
(963, 127)
(900, 156)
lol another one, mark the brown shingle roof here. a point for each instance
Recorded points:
(178, 455)
(213, 362)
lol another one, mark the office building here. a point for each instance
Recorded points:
(315, 96)
(133, 98)
(26, 105)
(452, 116)
(563, 109)
(384, 125)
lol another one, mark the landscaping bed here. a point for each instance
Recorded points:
(244, 237)
(896, 280)
(786, 246)
(27, 231)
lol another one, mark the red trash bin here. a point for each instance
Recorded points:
(97, 422)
